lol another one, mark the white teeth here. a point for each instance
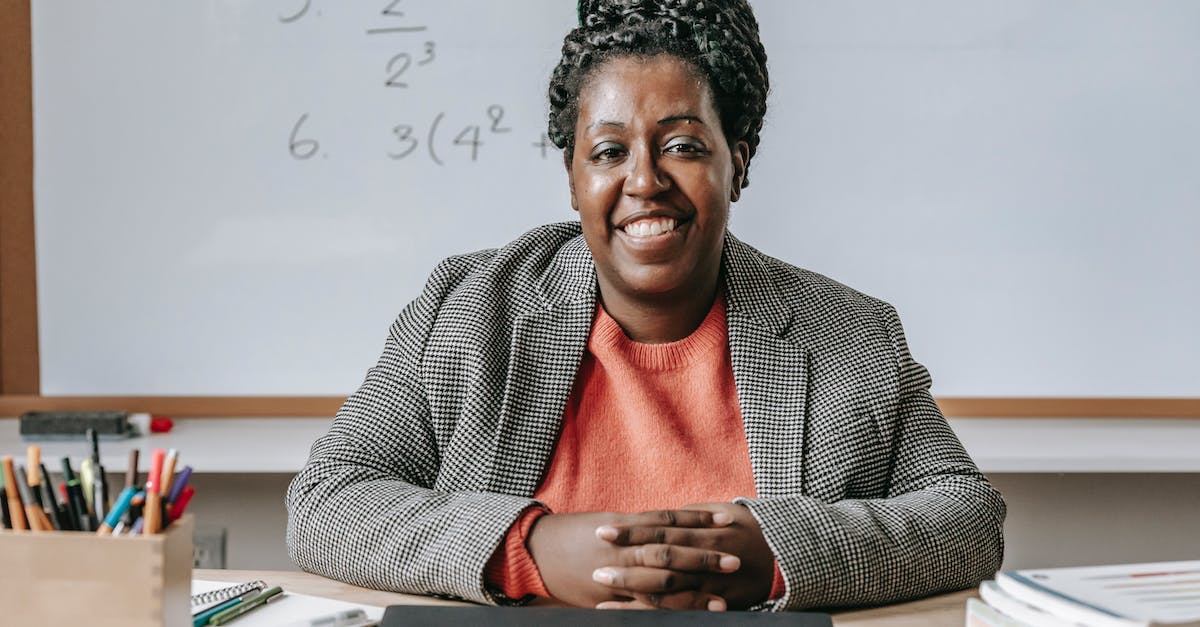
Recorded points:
(650, 227)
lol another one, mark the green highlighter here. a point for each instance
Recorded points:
(258, 600)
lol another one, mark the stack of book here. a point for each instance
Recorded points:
(1130, 595)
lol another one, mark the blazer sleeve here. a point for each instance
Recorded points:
(938, 528)
(364, 509)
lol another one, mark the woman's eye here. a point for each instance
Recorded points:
(607, 152)
(686, 148)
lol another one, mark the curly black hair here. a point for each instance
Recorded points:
(719, 38)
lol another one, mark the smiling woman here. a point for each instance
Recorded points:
(638, 410)
(652, 175)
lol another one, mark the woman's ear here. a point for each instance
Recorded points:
(741, 160)
(570, 178)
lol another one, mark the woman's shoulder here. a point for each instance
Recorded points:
(803, 289)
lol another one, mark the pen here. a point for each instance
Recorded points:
(4, 517)
(100, 493)
(256, 601)
(78, 506)
(33, 460)
(152, 511)
(179, 484)
(118, 510)
(132, 473)
(345, 618)
(49, 501)
(34, 515)
(16, 509)
(95, 442)
(68, 520)
(180, 505)
(202, 618)
(87, 476)
(68, 474)
(168, 472)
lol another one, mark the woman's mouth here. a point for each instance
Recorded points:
(649, 227)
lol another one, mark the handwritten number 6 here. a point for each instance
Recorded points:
(302, 148)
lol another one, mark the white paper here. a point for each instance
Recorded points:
(289, 608)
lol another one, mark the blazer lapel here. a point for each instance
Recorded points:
(770, 371)
(546, 349)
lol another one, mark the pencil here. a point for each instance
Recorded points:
(16, 509)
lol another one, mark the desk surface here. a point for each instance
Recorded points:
(998, 445)
(947, 610)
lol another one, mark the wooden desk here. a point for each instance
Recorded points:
(947, 610)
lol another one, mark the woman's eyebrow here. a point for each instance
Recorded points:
(606, 123)
(683, 117)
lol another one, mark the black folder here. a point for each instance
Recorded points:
(462, 616)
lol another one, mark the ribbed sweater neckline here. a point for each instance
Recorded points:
(609, 339)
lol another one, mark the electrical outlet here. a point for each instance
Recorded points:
(208, 549)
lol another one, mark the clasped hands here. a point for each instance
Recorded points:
(705, 556)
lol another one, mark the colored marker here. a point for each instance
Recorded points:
(202, 618)
(256, 601)
(78, 506)
(179, 506)
(33, 511)
(4, 517)
(87, 477)
(33, 460)
(168, 473)
(100, 493)
(132, 474)
(179, 484)
(118, 510)
(152, 512)
(16, 508)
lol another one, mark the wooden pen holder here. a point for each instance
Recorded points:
(79, 578)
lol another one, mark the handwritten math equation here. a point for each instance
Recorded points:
(439, 139)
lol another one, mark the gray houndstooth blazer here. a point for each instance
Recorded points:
(864, 493)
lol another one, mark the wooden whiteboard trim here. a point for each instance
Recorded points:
(18, 276)
(327, 406)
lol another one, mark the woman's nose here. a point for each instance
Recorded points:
(645, 178)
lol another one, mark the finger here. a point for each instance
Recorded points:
(677, 601)
(631, 536)
(638, 579)
(624, 605)
(678, 518)
(680, 558)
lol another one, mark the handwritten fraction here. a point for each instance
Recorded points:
(438, 138)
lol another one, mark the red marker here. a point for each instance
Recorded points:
(181, 503)
(152, 512)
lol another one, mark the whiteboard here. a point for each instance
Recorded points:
(236, 198)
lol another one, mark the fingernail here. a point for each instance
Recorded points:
(606, 533)
(721, 518)
(729, 563)
(716, 605)
(604, 575)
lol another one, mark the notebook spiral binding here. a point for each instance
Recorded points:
(221, 595)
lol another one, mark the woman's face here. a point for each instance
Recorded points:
(652, 177)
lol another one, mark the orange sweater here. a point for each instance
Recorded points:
(647, 426)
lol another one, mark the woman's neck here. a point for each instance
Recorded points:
(658, 320)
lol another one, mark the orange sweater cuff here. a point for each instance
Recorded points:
(778, 584)
(512, 570)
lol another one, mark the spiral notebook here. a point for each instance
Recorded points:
(212, 598)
